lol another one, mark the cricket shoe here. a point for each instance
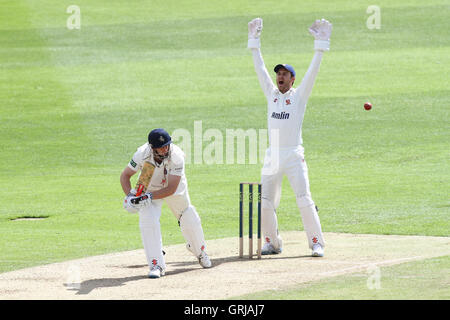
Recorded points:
(204, 261)
(317, 250)
(268, 248)
(156, 272)
(203, 258)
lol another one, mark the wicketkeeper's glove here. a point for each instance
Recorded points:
(254, 32)
(321, 31)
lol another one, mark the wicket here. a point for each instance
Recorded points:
(250, 219)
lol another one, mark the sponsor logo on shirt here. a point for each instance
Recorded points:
(177, 170)
(133, 164)
(281, 116)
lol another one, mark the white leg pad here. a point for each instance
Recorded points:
(151, 234)
(269, 223)
(311, 221)
(270, 199)
(192, 230)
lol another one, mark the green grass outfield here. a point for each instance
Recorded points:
(422, 280)
(75, 105)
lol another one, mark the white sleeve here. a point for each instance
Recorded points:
(176, 166)
(263, 76)
(137, 160)
(135, 163)
(305, 87)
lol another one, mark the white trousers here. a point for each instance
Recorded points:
(150, 227)
(289, 162)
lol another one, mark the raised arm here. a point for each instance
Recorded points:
(254, 43)
(321, 30)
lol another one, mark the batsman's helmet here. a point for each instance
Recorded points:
(159, 138)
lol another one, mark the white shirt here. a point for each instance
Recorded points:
(285, 112)
(172, 165)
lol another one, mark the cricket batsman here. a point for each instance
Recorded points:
(285, 111)
(162, 179)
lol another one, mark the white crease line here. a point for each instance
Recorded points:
(366, 265)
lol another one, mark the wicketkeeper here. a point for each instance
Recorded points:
(285, 156)
(162, 179)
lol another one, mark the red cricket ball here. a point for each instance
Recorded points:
(367, 106)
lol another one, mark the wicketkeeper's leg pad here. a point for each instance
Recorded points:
(311, 221)
(269, 223)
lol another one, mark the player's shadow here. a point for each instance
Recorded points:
(180, 267)
(218, 261)
(87, 286)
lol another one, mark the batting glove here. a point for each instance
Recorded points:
(127, 205)
(321, 31)
(254, 32)
(142, 201)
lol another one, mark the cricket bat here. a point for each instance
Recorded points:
(143, 181)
